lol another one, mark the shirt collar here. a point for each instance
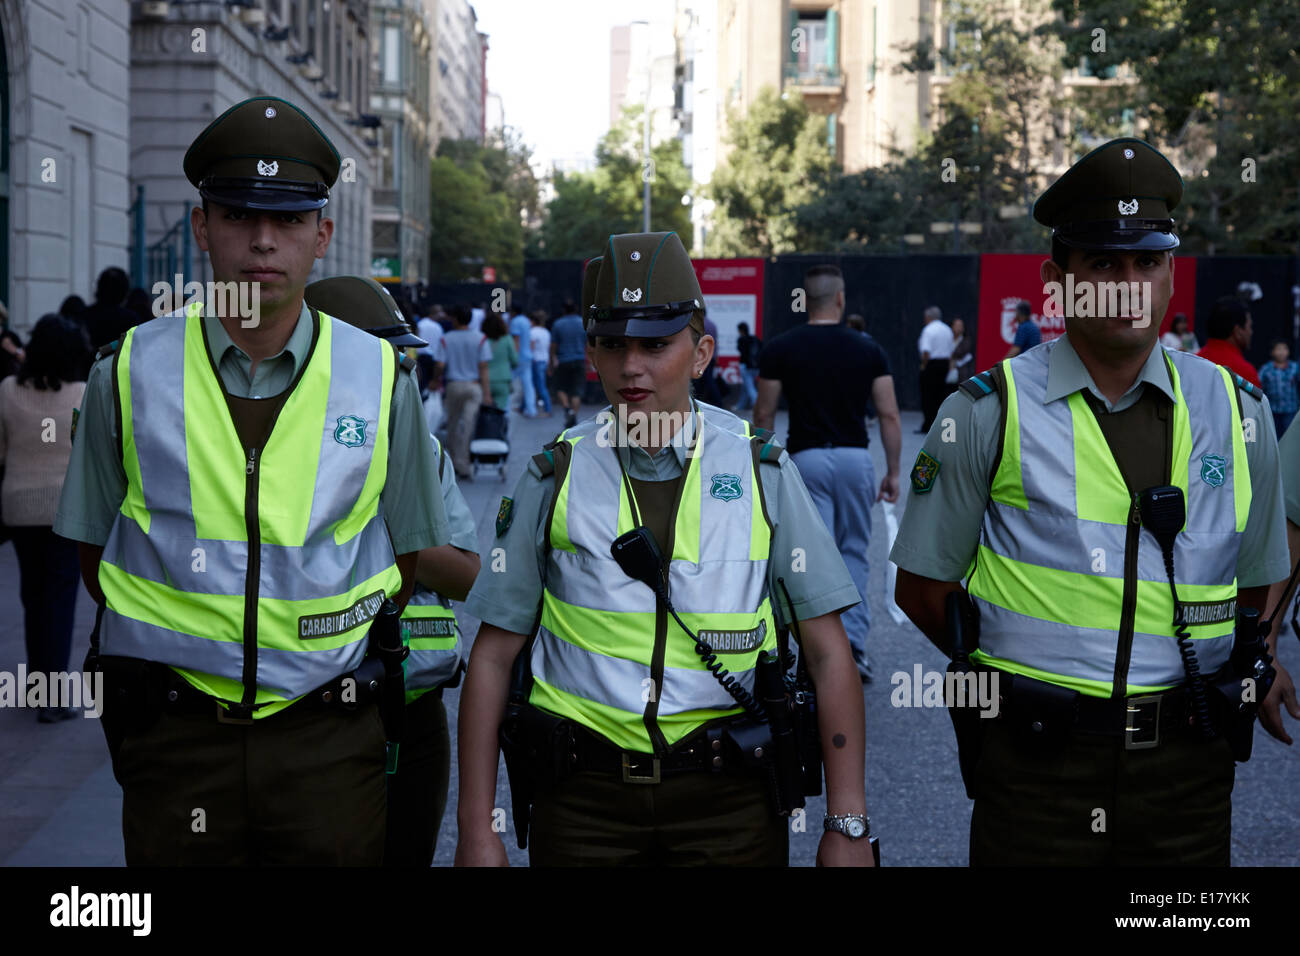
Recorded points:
(299, 340)
(1066, 373)
(633, 455)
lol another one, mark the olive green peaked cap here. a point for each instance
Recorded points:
(263, 153)
(1119, 196)
(644, 286)
(363, 302)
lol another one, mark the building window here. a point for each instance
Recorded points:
(392, 56)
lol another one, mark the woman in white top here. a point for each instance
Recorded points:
(539, 339)
(1178, 338)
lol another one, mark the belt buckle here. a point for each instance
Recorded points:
(630, 777)
(224, 717)
(1142, 718)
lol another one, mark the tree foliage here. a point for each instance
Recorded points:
(779, 160)
(589, 207)
(482, 196)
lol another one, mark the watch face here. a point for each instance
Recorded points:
(853, 829)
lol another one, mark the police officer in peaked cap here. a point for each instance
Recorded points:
(417, 789)
(248, 491)
(1093, 464)
(628, 742)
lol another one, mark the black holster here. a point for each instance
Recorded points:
(383, 664)
(1241, 685)
(963, 636)
(536, 746)
(784, 770)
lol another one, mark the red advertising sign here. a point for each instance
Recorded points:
(733, 293)
(1006, 279)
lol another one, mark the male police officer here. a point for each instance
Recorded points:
(234, 489)
(417, 789)
(1052, 485)
(645, 773)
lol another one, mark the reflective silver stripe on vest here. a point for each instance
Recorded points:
(157, 376)
(612, 681)
(1089, 653)
(289, 574)
(427, 668)
(287, 673)
(1050, 535)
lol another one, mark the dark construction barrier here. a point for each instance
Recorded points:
(892, 291)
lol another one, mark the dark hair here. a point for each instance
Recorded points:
(57, 352)
(494, 327)
(1024, 308)
(1178, 317)
(139, 303)
(1228, 313)
(1277, 342)
(460, 315)
(742, 328)
(72, 306)
(569, 307)
(112, 286)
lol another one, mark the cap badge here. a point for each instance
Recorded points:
(270, 112)
(636, 256)
(631, 295)
(1128, 154)
(268, 169)
(1128, 208)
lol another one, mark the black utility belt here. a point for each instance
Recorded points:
(715, 748)
(181, 697)
(1045, 710)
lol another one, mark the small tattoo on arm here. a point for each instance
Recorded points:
(838, 740)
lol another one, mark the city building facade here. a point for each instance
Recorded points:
(462, 72)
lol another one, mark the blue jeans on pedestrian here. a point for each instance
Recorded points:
(1282, 421)
(749, 391)
(524, 372)
(539, 382)
(842, 483)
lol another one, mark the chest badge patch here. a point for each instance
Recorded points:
(726, 487)
(1214, 469)
(505, 515)
(924, 472)
(350, 431)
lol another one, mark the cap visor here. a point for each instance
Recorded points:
(1121, 239)
(641, 328)
(269, 199)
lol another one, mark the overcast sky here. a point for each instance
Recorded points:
(550, 64)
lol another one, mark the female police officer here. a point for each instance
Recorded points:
(643, 776)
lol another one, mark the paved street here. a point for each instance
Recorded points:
(59, 804)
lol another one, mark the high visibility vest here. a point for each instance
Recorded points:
(605, 654)
(430, 630)
(255, 576)
(1065, 570)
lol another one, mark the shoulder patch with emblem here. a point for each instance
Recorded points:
(1249, 388)
(924, 472)
(505, 515)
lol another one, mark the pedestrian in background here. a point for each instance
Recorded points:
(539, 340)
(960, 362)
(935, 346)
(1027, 333)
(1227, 336)
(11, 346)
(828, 371)
(1179, 338)
(468, 386)
(107, 319)
(37, 412)
(72, 307)
(504, 361)
(569, 353)
(749, 347)
(1279, 380)
(521, 329)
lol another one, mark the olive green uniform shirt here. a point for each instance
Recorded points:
(460, 520)
(1288, 447)
(508, 592)
(940, 531)
(96, 482)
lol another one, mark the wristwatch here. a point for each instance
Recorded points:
(855, 826)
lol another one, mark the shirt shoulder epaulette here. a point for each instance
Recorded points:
(1254, 391)
(545, 462)
(979, 386)
(106, 350)
(408, 363)
(770, 450)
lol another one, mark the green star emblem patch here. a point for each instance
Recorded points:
(505, 515)
(924, 472)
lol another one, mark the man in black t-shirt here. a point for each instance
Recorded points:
(828, 372)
